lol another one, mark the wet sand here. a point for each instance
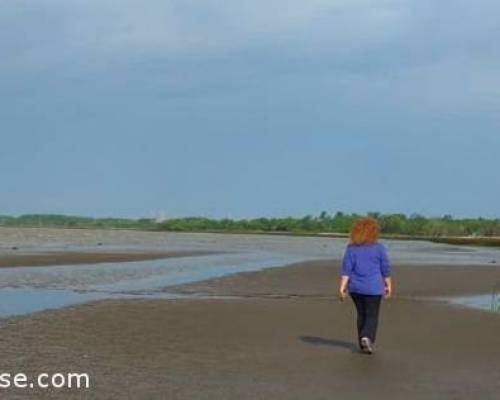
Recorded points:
(286, 338)
(320, 278)
(72, 258)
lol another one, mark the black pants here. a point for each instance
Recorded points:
(367, 306)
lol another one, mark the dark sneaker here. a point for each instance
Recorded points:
(366, 345)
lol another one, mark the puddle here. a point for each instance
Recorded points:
(487, 302)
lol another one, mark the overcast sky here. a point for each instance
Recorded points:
(250, 107)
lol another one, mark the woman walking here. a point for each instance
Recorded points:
(366, 275)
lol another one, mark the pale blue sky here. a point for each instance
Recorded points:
(249, 108)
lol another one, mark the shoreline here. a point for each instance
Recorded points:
(47, 259)
(320, 278)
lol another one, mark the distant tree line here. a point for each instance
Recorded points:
(414, 225)
(69, 221)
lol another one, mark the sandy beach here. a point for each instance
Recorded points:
(283, 336)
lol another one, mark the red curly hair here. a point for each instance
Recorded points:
(365, 231)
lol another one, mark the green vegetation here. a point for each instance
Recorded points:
(477, 231)
(69, 221)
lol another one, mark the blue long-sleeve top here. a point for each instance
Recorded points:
(366, 266)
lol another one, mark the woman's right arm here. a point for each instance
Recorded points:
(344, 280)
(386, 270)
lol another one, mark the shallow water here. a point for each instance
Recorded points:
(487, 302)
(19, 301)
(30, 289)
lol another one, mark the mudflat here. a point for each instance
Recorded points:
(283, 335)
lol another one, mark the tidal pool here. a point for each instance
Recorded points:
(30, 289)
